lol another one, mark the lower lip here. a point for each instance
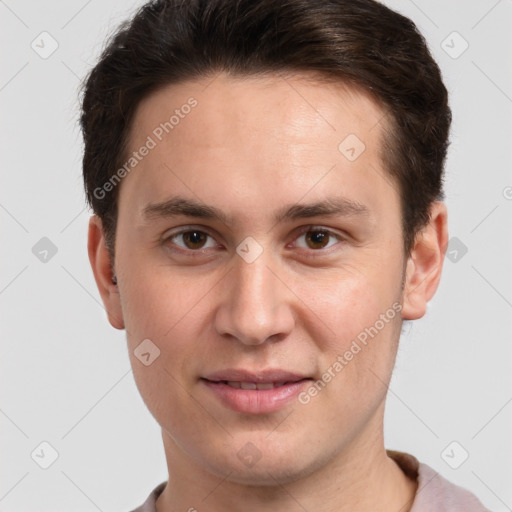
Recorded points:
(256, 401)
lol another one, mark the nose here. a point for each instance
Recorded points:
(256, 304)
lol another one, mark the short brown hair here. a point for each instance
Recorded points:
(358, 42)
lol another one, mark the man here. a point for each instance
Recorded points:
(266, 178)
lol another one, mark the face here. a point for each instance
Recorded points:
(259, 242)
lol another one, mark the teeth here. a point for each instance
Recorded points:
(265, 385)
(248, 385)
(254, 385)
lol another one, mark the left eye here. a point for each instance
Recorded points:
(317, 238)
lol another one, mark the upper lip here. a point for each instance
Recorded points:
(240, 375)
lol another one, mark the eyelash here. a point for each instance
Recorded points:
(200, 252)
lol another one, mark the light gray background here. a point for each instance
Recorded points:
(65, 372)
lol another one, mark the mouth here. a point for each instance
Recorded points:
(254, 385)
(268, 376)
(255, 393)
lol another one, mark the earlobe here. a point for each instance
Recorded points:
(101, 264)
(424, 266)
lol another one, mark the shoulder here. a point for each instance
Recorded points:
(435, 493)
(150, 504)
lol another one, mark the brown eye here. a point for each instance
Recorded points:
(191, 239)
(317, 239)
(194, 239)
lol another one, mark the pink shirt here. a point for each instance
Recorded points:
(434, 494)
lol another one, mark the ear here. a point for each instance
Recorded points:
(425, 263)
(101, 264)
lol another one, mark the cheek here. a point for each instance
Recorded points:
(168, 312)
(173, 311)
(158, 304)
(344, 302)
(360, 316)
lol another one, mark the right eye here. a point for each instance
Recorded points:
(190, 240)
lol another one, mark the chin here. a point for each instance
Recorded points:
(267, 467)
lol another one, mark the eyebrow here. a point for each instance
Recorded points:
(330, 206)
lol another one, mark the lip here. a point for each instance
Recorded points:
(255, 401)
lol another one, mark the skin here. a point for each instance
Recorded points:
(249, 147)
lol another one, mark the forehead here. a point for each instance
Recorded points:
(283, 104)
(259, 136)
